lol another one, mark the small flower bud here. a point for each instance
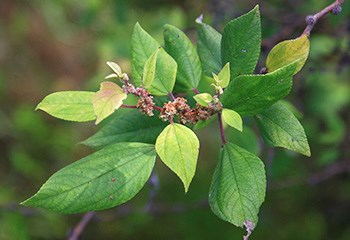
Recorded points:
(337, 9)
(310, 20)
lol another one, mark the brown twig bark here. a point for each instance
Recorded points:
(311, 20)
(222, 132)
(79, 228)
(332, 170)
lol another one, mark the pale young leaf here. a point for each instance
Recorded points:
(203, 99)
(109, 98)
(232, 118)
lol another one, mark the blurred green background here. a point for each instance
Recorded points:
(48, 46)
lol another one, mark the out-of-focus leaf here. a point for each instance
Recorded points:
(246, 139)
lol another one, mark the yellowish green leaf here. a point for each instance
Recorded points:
(150, 69)
(178, 147)
(232, 118)
(203, 99)
(224, 76)
(287, 52)
(69, 105)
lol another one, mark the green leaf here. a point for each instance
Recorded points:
(208, 47)
(109, 98)
(251, 94)
(280, 128)
(287, 52)
(204, 123)
(232, 118)
(164, 75)
(70, 105)
(142, 47)
(246, 139)
(224, 76)
(149, 69)
(240, 44)
(203, 99)
(104, 179)
(127, 125)
(178, 147)
(238, 186)
(189, 70)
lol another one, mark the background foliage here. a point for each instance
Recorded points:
(48, 46)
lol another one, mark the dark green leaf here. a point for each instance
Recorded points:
(127, 125)
(104, 179)
(238, 186)
(251, 94)
(142, 47)
(280, 128)
(208, 47)
(240, 44)
(189, 70)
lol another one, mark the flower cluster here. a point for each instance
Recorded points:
(177, 108)
(145, 102)
(185, 114)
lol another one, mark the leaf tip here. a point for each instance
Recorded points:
(307, 153)
(37, 107)
(249, 226)
(199, 19)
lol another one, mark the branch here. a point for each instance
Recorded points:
(154, 186)
(128, 106)
(222, 132)
(79, 228)
(311, 20)
(315, 178)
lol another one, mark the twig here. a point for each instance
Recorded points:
(156, 211)
(157, 108)
(79, 228)
(154, 185)
(172, 97)
(128, 106)
(195, 90)
(222, 133)
(311, 20)
(314, 178)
